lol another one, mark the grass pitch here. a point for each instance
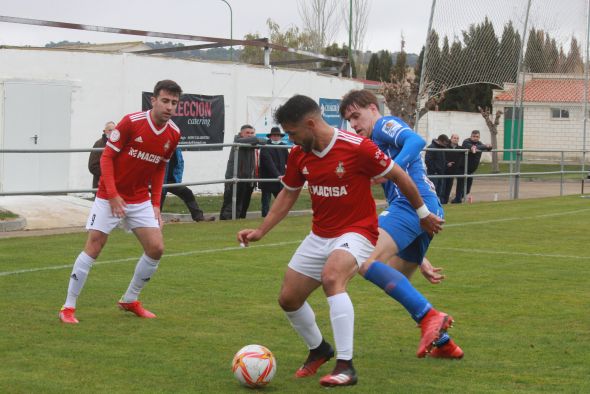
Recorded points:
(515, 284)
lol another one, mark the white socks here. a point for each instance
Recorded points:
(303, 321)
(145, 268)
(342, 317)
(78, 278)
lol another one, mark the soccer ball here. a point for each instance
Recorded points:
(254, 366)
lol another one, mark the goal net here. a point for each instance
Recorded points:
(475, 50)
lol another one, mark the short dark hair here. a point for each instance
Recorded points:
(246, 126)
(444, 139)
(475, 132)
(362, 98)
(295, 109)
(167, 85)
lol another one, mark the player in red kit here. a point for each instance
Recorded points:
(338, 167)
(132, 173)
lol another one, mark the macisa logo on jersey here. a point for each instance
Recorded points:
(328, 191)
(144, 156)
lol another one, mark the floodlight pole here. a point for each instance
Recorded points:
(585, 96)
(231, 30)
(520, 76)
(350, 41)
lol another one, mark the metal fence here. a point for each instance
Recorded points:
(514, 175)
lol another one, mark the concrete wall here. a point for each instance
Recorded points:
(434, 123)
(107, 86)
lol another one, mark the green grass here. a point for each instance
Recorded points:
(212, 203)
(516, 285)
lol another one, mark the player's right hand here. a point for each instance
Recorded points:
(249, 235)
(432, 224)
(118, 206)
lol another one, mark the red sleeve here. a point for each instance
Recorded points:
(293, 178)
(108, 172)
(117, 140)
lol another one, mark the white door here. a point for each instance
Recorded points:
(36, 116)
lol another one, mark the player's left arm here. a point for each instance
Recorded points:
(411, 145)
(431, 223)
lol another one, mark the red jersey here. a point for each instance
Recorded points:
(139, 153)
(339, 181)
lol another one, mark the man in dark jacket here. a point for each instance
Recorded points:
(246, 170)
(272, 165)
(436, 163)
(476, 147)
(94, 158)
(454, 163)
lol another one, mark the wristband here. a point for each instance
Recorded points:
(422, 211)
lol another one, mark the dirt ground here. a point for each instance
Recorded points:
(498, 189)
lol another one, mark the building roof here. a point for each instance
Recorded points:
(548, 91)
(128, 46)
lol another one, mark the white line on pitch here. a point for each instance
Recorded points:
(485, 251)
(194, 252)
(167, 255)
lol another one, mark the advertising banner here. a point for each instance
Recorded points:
(201, 119)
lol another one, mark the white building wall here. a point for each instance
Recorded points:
(434, 123)
(541, 131)
(108, 86)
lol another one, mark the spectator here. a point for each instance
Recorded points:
(436, 163)
(272, 165)
(246, 169)
(454, 162)
(94, 159)
(473, 157)
(174, 170)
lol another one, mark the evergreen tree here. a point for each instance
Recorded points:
(551, 54)
(385, 65)
(574, 63)
(508, 53)
(418, 67)
(561, 63)
(432, 62)
(445, 69)
(533, 58)
(373, 68)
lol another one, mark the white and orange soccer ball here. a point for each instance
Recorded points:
(254, 366)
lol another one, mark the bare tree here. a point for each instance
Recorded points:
(493, 126)
(360, 21)
(320, 21)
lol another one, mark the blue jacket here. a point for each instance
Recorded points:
(175, 168)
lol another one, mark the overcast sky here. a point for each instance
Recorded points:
(387, 20)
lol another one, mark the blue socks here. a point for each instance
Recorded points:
(398, 287)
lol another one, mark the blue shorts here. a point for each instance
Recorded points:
(401, 222)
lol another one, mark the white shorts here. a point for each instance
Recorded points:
(311, 256)
(136, 215)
